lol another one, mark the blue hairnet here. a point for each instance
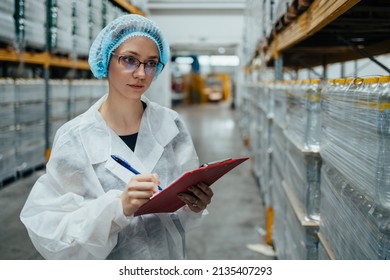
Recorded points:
(118, 31)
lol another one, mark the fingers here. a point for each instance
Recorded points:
(198, 198)
(142, 182)
(138, 191)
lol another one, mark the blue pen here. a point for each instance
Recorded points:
(126, 165)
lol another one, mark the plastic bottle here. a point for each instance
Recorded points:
(383, 160)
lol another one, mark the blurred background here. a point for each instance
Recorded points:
(300, 86)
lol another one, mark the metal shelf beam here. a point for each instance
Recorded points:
(43, 58)
(319, 14)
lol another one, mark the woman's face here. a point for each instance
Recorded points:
(125, 77)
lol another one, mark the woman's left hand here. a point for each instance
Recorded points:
(199, 197)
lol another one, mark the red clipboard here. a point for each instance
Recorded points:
(167, 201)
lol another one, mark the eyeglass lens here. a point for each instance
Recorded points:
(132, 64)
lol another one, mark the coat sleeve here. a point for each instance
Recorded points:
(67, 213)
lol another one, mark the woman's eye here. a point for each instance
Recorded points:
(129, 60)
(151, 63)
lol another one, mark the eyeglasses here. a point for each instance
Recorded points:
(131, 64)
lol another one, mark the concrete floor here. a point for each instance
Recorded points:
(235, 215)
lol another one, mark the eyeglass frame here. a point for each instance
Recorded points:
(139, 63)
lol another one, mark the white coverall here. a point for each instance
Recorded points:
(74, 211)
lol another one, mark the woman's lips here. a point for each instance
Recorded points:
(136, 86)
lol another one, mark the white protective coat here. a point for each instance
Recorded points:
(74, 211)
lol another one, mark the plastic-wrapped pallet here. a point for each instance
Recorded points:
(279, 146)
(7, 129)
(266, 159)
(280, 7)
(80, 97)
(244, 114)
(295, 237)
(303, 174)
(30, 100)
(35, 23)
(96, 18)
(81, 36)
(354, 225)
(30, 146)
(7, 102)
(279, 91)
(7, 10)
(58, 106)
(322, 253)
(254, 30)
(266, 100)
(61, 26)
(111, 12)
(279, 205)
(256, 129)
(304, 114)
(98, 89)
(356, 134)
(301, 239)
(268, 18)
(30, 123)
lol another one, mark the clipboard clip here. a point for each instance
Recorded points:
(215, 162)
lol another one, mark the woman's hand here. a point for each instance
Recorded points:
(199, 198)
(139, 190)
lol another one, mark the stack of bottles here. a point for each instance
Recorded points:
(80, 97)
(83, 93)
(280, 8)
(303, 114)
(255, 131)
(355, 225)
(81, 37)
(95, 18)
(7, 10)
(259, 26)
(60, 26)
(70, 98)
(35, 24)
(7, 130)
(303, 161)
(303, 176)
(111, 12)
(30, 123)
(58, 106)
(295, 168)
(356, 134)
(254, 32)
(279, 92)
(245, 108)
(265, 120)
(356, 144)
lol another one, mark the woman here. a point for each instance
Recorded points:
(83, 207)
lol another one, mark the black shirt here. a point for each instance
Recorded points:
(131, 139)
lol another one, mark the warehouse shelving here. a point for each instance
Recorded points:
(46, 59)
(59, 70)
(329, 32)
(309, 34)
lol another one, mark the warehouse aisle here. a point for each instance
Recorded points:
(235, 214)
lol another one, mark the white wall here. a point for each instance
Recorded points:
(160, 89)
(193, 29)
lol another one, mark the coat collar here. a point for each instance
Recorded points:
(157, 129)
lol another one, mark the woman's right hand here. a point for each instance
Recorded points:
(139, 190)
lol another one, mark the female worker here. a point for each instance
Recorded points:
(83, 206)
